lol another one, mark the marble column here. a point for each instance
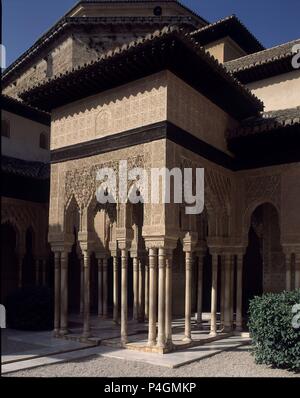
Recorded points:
(214, 293)
(100, 288)
(188, 296)
(223, 271)
(81, 285)
(124, 303)
(169, 299)
(56, 293)
(141, 284)
(161, 335)
(239, 293)
(37, 272)
(227, 267)
(288, 272)
(232, 290)
(44, 272)
(200, 259)
(116, 289)
(105, 288)
(135, 288)
(64, 293)
(152, 296)
(86, 306)
(297, 270)
(146, 289)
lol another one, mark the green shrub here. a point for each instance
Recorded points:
(30, 309)
(275, 341)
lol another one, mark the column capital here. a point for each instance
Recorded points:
(160, 241)
(189, 241)
(291, 248)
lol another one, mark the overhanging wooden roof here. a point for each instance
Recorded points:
(274, 134)
(168, 49)
(230, 26)
(12, 105)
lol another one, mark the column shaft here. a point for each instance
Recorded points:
(232, 290)
(124, 303)
(161, 337)
(116, 289)
(227, 266)
(105, 289)
(135, 288)
(100, 287)
(146, 290)
(188, 296)
(200, 291)
(214, 287)
(64, 293)
(152, 296)
(169, 299)
(86, 306)
(56, 293)
(223, 272)
(141, 285)
(239, 293)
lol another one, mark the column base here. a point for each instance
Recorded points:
(161, 343)
(187, 339)
(227, 329)
(238, 328)
(213, 334)
(169, 345)
(55, 333)
(151, 343)
(63, 332)
(86, 334)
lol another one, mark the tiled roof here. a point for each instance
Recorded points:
(264, 64)
(262, 57)
(268, 122)
(25, 168)
(67, 22)
(164, 49)
(229, 26)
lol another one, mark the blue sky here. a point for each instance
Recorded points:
(272, 21)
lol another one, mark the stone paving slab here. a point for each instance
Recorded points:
(177, 358)
(48, 360)
(17, 345)
(171, 360)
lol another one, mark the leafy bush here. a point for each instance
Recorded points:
(275, 340)
(30, 309)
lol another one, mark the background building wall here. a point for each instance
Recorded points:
(24, 140)
(278, 92)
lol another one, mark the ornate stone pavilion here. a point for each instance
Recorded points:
(188, 94)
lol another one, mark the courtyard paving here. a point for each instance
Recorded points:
(40, 354)
(233, 363)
